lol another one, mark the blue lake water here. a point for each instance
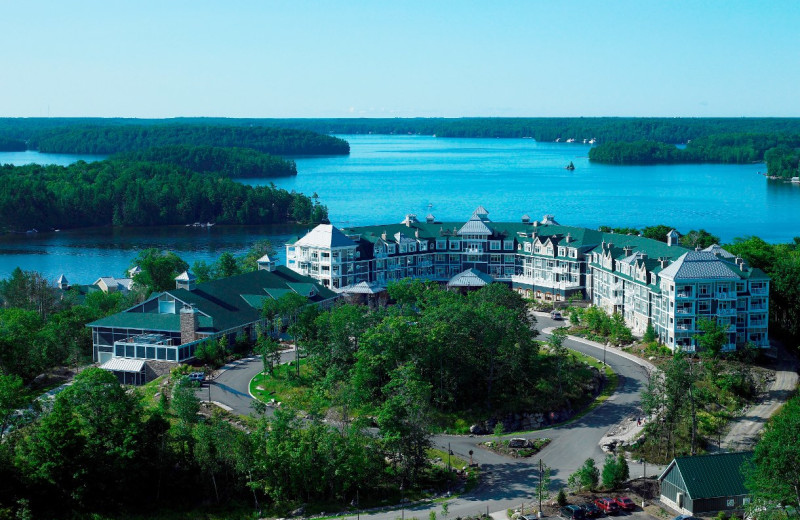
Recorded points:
(386, 177)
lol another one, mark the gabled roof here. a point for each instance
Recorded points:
(699, 265)
(481, 213)
(470, 278)
(62, 280)
(401, 238)
(717, 250)
(185, 276)
(223, 304)
(711, 476)
(362, 288)
(475, 226)
(325, 235)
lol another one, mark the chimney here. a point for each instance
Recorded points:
(416, 233)
(535, 223)
(643, 256)
(664, 261)
(569, 238)
(628, 250)
(189, 324)
(741, 263)
(383, 235)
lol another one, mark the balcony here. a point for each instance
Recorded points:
(684, 294)
(726, 312)
(758, 290)
(473, 249)
(726, 295)
(684, 311)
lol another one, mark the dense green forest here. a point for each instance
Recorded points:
(125, 193)
(604, 129)
(11, 145)
(230, 162)
(780, 151)
(114, 139)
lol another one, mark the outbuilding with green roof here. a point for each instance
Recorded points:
(705, 483)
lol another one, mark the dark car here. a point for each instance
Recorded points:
(625, 503)
(572, 513)
(607, 505)
(198, 377)
(591, 510)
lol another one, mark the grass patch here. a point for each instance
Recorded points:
(147, 392)
(284, 385)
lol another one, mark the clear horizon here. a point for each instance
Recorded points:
(301, 59)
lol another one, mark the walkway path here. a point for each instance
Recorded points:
(746, 428)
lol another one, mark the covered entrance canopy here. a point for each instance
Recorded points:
(128, 371)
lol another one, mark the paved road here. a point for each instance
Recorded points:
(231, 387)
(507, 482)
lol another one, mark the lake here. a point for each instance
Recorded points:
(388, 176)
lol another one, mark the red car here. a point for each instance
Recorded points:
(608, 506)
(625, 503)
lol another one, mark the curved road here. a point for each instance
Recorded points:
(506, 482)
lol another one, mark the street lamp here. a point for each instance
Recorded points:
(402, 502)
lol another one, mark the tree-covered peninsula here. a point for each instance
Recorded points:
(780, 151)
(102, 140)
(139, 193)
(231, 162)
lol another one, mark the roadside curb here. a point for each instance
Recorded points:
(616, 350)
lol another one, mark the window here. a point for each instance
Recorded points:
(454, 245)
(527, 247)
(423, 246)
(730, 502)
(508, 245)
(441, 244)
(494, 245)
(561, 251)
(390, 248)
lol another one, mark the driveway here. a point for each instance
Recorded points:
(506, 482)
(231, 386)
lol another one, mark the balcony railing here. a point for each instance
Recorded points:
(684, 310)
(726, 312)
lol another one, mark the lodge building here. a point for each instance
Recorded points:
(647, 281)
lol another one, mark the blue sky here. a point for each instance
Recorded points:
(399, 59)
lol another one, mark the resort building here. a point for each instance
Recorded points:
(647, 281)
(169, 326)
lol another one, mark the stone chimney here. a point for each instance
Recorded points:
(189, 324)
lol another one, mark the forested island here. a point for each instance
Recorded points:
(140, 193)
(779, 151)
(104, 140)
(235, 163)
(603, 129)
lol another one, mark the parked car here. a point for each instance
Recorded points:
(625, 503)
(572, 513)
(607, 505)
(197, 376)
(556, 315)
(591, 510)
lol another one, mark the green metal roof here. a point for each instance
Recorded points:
(223, 304)
(712, 476)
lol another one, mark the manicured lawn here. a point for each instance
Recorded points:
(284, 385)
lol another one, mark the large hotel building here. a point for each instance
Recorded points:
(645, 280)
